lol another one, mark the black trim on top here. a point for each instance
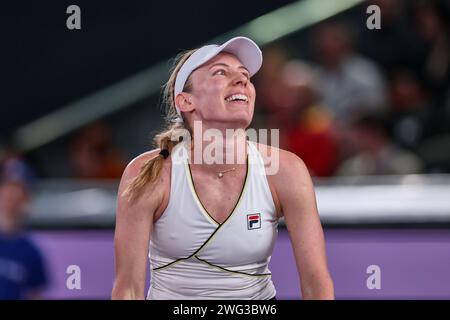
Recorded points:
(219, 224)
(83, 226)
(231, 271)
(235, 205)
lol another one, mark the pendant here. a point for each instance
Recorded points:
(220, 174)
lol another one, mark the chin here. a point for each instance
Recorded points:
(239, 122)
(234, 120)
(242, 116)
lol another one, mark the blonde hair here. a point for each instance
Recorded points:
(151, 169)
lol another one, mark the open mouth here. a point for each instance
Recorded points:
(237, 98)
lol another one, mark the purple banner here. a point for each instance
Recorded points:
(408, 264)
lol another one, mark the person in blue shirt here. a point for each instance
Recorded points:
(22, 268)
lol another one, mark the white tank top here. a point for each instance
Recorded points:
(194, 257)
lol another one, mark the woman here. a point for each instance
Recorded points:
(209, 227)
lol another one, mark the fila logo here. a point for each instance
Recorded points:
(253, 221)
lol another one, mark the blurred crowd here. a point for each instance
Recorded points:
(347, 100)
(355, 102)
(23, 273)
(360, 101)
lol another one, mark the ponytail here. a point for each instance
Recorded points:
(151, 169)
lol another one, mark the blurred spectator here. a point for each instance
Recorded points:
(349, 83)
(411, 115)
(274, 99)
(393, 45)
(432, 21)
(22, 271)
(306, 126)
(374, 153)
(309, 132)
(93, 156)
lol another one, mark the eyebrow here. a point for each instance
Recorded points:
(225, 65)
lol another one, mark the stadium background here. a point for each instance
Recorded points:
(367, 110)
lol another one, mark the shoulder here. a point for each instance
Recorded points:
(28, 247)
(288, 177)
(135, 166)
(283, 165)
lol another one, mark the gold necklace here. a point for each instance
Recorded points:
(220, 173)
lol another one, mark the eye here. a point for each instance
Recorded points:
(219, 72)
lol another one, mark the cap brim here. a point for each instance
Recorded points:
(245, 50)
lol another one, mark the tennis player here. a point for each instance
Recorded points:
(207, 219)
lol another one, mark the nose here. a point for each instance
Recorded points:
(240, 79)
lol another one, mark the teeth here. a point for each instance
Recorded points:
(235, 97)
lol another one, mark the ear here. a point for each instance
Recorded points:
(184, 101)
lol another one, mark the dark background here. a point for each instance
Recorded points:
(47, 65)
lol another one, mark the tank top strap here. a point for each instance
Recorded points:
(255, 159)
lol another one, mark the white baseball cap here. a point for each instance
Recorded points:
(245, 49)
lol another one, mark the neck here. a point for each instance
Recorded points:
(218, 149)
(8, 225)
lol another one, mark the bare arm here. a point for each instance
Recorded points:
(298, 202)
(134, 221)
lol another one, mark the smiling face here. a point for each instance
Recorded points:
(222, 93)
